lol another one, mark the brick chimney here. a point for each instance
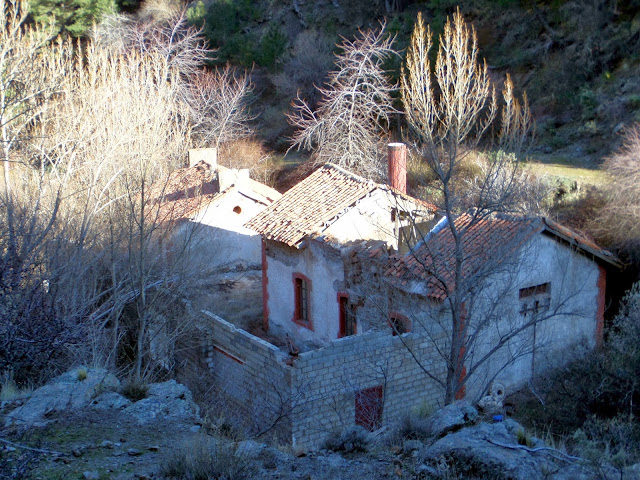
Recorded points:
(397, 162)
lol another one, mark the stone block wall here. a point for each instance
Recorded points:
(252, 379)
(326, 382)
(314, 396)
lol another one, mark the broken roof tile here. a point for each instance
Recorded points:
(486, 242)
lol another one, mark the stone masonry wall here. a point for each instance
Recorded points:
(252, 380)
(315, 395)
(325, 382)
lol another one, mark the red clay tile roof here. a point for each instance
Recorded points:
(486, 243)
(189, 190)
(314, 203)
(183, 194)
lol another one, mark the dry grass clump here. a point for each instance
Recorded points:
(159, 10)
(9, 389)
(82, 374)
(354, 439)
(134, 389)
(205, 458)
(251, 154)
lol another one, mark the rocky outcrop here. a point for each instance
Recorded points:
(503, 450)
(110, 401)
(451, 418)
(96, 389)
(165, 400)
(478, 450)
(72, 390)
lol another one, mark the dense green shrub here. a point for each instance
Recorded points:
(74, 17)
(224, 23)
(272, 47)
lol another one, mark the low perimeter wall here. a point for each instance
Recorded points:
(304, 399)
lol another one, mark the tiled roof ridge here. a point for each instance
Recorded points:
(384, 186)
(582, 241)
(508, 233)
(292, 231)
(317, 202)
(347, 173)
(542, 223)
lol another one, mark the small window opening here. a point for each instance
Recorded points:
(348, 324)
(399, 324)
(368, 406)
(535, 299)
(301, 297)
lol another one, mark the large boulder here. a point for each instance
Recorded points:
(451, 418)
(488, 450)
(167, 400)
(72, 390)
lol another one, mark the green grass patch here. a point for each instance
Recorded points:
(591, 176)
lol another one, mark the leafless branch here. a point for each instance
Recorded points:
(350, 120)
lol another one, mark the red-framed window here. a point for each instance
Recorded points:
(347, 317)
(368, 408)
(302, 299)
(399, 323)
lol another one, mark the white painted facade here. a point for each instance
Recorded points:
(371, 218)
(322, 265)
(220, 232)
(567, 327)
(219, 238)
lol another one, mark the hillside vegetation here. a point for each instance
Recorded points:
(99, 109)
(578, 60)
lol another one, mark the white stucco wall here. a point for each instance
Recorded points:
(371, 219)
(572, 321)
(323, 266)
(221, 236)
(573, 282)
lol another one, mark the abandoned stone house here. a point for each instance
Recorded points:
(346, 312)
(533, 294)
(304, 236)
(211, 203)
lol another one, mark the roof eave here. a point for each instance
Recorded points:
(603, 255)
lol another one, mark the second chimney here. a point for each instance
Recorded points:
(207, 155)
(397, 162)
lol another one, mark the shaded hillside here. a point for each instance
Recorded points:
(577, 59)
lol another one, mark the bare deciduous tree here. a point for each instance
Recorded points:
(618, 220)
(35, 325)
(451, 111)
(90, 267)
(218, 103)
(348, 126)
(119, 131)
(165, 31)
(30, 68)
(215, 101)
(309, 63)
